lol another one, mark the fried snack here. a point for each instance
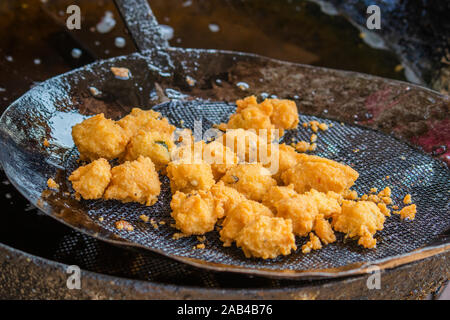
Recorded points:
(152, 144)
(238, 217)
(287, 158)
(246, 144)
(302, 210)
(98, 137)
(220, 157)
(359, 219)
(252, 180)
(187, 176)
(194, 213)
(326, 204)
(225, 198)
(408, 212)
(134, 181)
(276, 194)
(318, 173)
(266, 237)
(324, 230)
(284, 114)
(90, 181)
(147, 120)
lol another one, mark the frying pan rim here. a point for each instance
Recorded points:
(357, 268)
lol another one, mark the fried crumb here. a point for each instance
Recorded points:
(386, 200)
(305, 124)
(190, 81)
(161, 223)
(395, 207)
(407, 199)
(313, 137)
(201, 238)
(101, 219)
(144, 218)
(312, 147)
(302, 146)
(323, 126)
(351, 195)
(364, 197)
(386, 192)
(373, 190)
(384, 209)
(178, 235)
(200, 246)
(374, 198)
(154, 224)
(52, 184)
(313, 244)
(124, 225)
(121, 72)
(46, 143)
(314, 125)
(408, 212)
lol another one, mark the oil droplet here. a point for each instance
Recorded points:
(187, 3)
(76, 53)
(107, 23)
(37, 61)
(9, 58)
(213, 27)
(166, 31)
(2, 90)
(243, 86)
(120, 42)
(190, 81)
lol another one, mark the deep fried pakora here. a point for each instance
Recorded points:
(98, 137)
(225, 198)
(90, 181)
(252, 180)
(194, 213)
(266, 237)
(187, 176)
(134, 181)
(147, 120)
(302, 210)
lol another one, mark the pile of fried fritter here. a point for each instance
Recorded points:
(257, 193)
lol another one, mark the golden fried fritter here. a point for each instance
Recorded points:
(220, 157)
(276, 194)
(187, 176)
(147, 120)
(238, 217)
(152, 144)
(408, 212)
(266, 237)
(302, 210)
(225, 198)
(287, 158)
(326, 204)
(246, 144)
(134, 181)
(194, 213)
(252, 180)
(318, 173)
(98, 137)
(284, 114)
(359, 219)
(90, 181)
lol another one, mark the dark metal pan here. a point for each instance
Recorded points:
(158, 79)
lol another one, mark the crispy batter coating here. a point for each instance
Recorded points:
(302, 210)
(324, 230)
(287, 158)
(98, 137)
(90, 181)
(267, 237)
(252, 180)
(147, 120)
(225, 198)
(284, 114)
(194, 213)
(408, 212)
(238, 217)
(187, 176)
(322, 174)
(152, 144)
(220, 157)
(246, 144)
(313, 244)
(134, 181)
(276, 194)
(359, 219)
(326, 203)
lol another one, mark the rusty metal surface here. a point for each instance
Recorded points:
(25, 276)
